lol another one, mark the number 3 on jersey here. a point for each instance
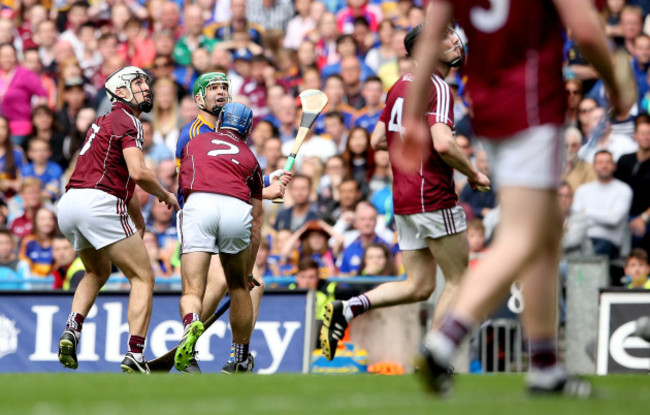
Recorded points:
(86, 146)
(395, 123)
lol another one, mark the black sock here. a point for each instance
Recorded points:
(241, 352)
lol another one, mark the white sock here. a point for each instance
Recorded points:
(139, 357)
(347, 312)
(442, 346)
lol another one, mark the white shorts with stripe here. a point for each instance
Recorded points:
(215, 223)
(92, 218)
(531, 158)
(412, 230)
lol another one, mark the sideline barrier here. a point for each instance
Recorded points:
(174, 282)
(619, 350)
(31, 323)
(585, 277)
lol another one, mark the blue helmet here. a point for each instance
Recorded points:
(236, 116)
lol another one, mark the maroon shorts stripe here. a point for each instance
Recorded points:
(118, 210)
(126, 219)
(453, 220)
(444, 219)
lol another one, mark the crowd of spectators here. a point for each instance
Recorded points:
(56, 55)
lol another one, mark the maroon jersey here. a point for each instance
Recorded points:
(514, 64)
(101, 164)
(220, 163)
(432, 188)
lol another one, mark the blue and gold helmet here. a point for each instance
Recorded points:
(237, 117)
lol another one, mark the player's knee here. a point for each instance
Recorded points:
(423, 294)
(100, 277)
(237, 283)
(421, 290)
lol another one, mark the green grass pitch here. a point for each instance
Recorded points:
(107, 394)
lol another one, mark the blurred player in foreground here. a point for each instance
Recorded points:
(516, 88)
(430, 222)
(104, 222)
(220, 217)
(211, 92)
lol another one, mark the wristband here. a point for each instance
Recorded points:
(645, 217)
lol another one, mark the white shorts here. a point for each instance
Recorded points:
(215, 223)
(93, 218)
(412, 230)
(531, 158)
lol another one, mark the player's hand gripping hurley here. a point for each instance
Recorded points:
(312, 101)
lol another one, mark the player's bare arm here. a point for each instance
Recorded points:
(378, 140)
(446, 147)
(145, 178)
(135, 211)
(586, 28)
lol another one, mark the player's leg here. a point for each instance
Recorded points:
(452, 254)
(215, 289)
(525, 226)
(241, 306)
(420, 266)
(131, 257)
(256, 295)
(198, 225)
(527, 167)
(194, 270)
(420, 282)
(234, 241)
(98, 269)
(540, 292)
(77, 213)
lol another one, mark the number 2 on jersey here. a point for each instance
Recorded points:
(86, 146)
(232, 149)
(395, 123)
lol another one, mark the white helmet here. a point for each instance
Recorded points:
(122, 79)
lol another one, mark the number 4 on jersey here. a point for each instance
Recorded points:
(395, 123)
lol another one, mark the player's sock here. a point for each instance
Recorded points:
(355, 306)
(445, 340)
(75, 322)
(543, 353)
(136, 347)
(241, 352)
(231, 356)
(189, 319)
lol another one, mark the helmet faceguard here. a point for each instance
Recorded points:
(124, 78)
(202, 86)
